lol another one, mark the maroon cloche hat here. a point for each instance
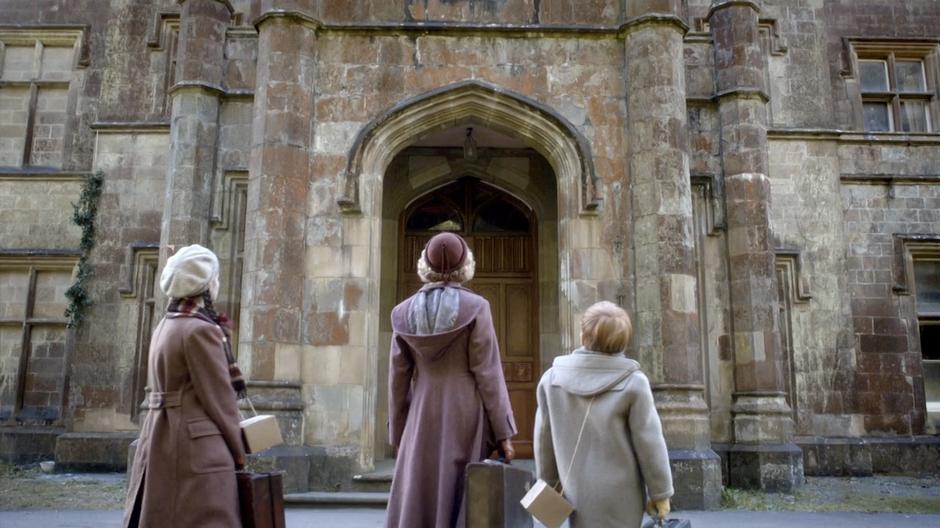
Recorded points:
(445, 252)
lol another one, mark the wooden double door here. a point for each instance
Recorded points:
(501, 232)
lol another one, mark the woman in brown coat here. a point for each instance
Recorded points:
(448, 402)
(190, 442)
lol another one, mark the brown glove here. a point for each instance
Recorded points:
(506, 451)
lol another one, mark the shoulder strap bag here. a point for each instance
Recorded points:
(546, 503)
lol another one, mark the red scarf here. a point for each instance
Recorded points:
(191, 308)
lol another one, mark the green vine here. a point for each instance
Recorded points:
(84, 215)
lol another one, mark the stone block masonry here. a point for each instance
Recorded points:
(702, 162)
(888, 377)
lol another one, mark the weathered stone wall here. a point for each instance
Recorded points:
(130, 211)
(868, 18)
(889, 378)
(808, 219)
(795, 41)
(114, 81)
(361, 76)
(320, 313)
(36, 212)
(584, 12)
(33, 294)
(856, 359)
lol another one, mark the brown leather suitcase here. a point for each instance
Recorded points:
(261, 498)
(493, 492)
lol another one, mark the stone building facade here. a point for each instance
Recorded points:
(756, 181)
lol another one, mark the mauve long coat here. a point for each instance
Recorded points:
(448, 406)
(190, 439)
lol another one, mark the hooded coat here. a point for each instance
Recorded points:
(448, 406)
(184, 467)
(622, 460)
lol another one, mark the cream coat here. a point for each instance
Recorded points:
(622, 459)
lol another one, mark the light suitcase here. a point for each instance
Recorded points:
(493, 491)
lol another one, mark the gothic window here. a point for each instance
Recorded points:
(171, 37)
(33, 337)
(435, 216)
(36, 72)
(147, 262)
(897, 83)
(927, 295)
(500, 215)
(228, 241)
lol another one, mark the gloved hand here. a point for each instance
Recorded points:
(658, 509)
(506, 451)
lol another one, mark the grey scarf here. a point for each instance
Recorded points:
(434, 310)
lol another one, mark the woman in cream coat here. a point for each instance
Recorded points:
(621, 463)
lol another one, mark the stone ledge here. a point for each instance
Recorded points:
(911, 455)
(41, 174)
(724, 4)
(292, 460)
(93, 451)
(696, 478)
(767, 467)
(22, 446)
(835, 457)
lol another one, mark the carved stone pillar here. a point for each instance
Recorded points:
(279, 176)
(194, 124)
(763, 455)
(667, 316)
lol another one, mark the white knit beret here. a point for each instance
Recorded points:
(189, 271)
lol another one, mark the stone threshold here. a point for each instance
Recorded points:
(361, 499)
(384, 469)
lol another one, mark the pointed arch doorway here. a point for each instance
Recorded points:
(501, 231)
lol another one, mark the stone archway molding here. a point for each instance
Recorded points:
(483, 103)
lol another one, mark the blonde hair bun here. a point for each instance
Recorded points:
(606, 328)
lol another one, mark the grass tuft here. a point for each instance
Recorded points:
(812, 499)
(26, 487)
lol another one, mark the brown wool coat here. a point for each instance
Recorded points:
(448, 406)
(184, 467)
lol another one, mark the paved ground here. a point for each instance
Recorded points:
(32, 499)
(372, 518)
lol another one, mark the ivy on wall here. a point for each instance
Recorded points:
(84, 215)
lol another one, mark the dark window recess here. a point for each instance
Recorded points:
(927, 296)
(435, 216)
(927, 281)
(500, 215)
(930, 339)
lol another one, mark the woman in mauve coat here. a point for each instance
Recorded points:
(448, 402)
(190, 443)
(621, 464)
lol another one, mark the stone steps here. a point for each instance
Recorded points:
(378, 480)
(358, 499)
